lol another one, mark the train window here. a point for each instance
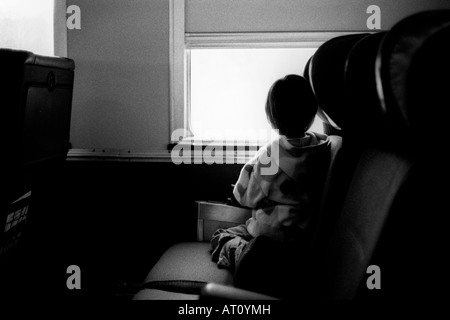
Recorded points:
(227, 90)
(219, 81)
(27, 25)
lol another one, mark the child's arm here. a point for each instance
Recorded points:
(247, 190)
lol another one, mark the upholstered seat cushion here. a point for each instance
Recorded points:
(189, 261)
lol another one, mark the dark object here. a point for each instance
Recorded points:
(36, 101)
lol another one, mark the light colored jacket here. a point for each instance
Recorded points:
(283, 184)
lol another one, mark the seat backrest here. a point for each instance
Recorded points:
(348, 242)
(387, 167)
(412, 77)
(325, 71)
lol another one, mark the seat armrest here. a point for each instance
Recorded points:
(222, 292)
(212, 216)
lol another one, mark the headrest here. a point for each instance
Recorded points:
(328, 125)
(412, 74)
(362, 113)
(326, 74)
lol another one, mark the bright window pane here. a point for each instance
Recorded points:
(229, 89)
(27, 25)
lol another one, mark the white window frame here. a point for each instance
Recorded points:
(181, 43)
(177, 66)
(60, 28)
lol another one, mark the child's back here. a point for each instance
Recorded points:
(282, 185)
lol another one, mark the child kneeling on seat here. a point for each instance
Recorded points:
(282, 184)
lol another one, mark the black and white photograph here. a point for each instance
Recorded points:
(224, 158)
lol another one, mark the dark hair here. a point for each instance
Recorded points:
(291, 106)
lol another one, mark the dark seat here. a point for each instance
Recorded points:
(327, 74)
(388, 201)
(412, 79)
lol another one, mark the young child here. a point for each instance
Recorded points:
(283, 200)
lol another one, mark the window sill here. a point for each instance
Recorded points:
(117, 155)
(189, 154)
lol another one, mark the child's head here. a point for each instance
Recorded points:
(291, 106)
